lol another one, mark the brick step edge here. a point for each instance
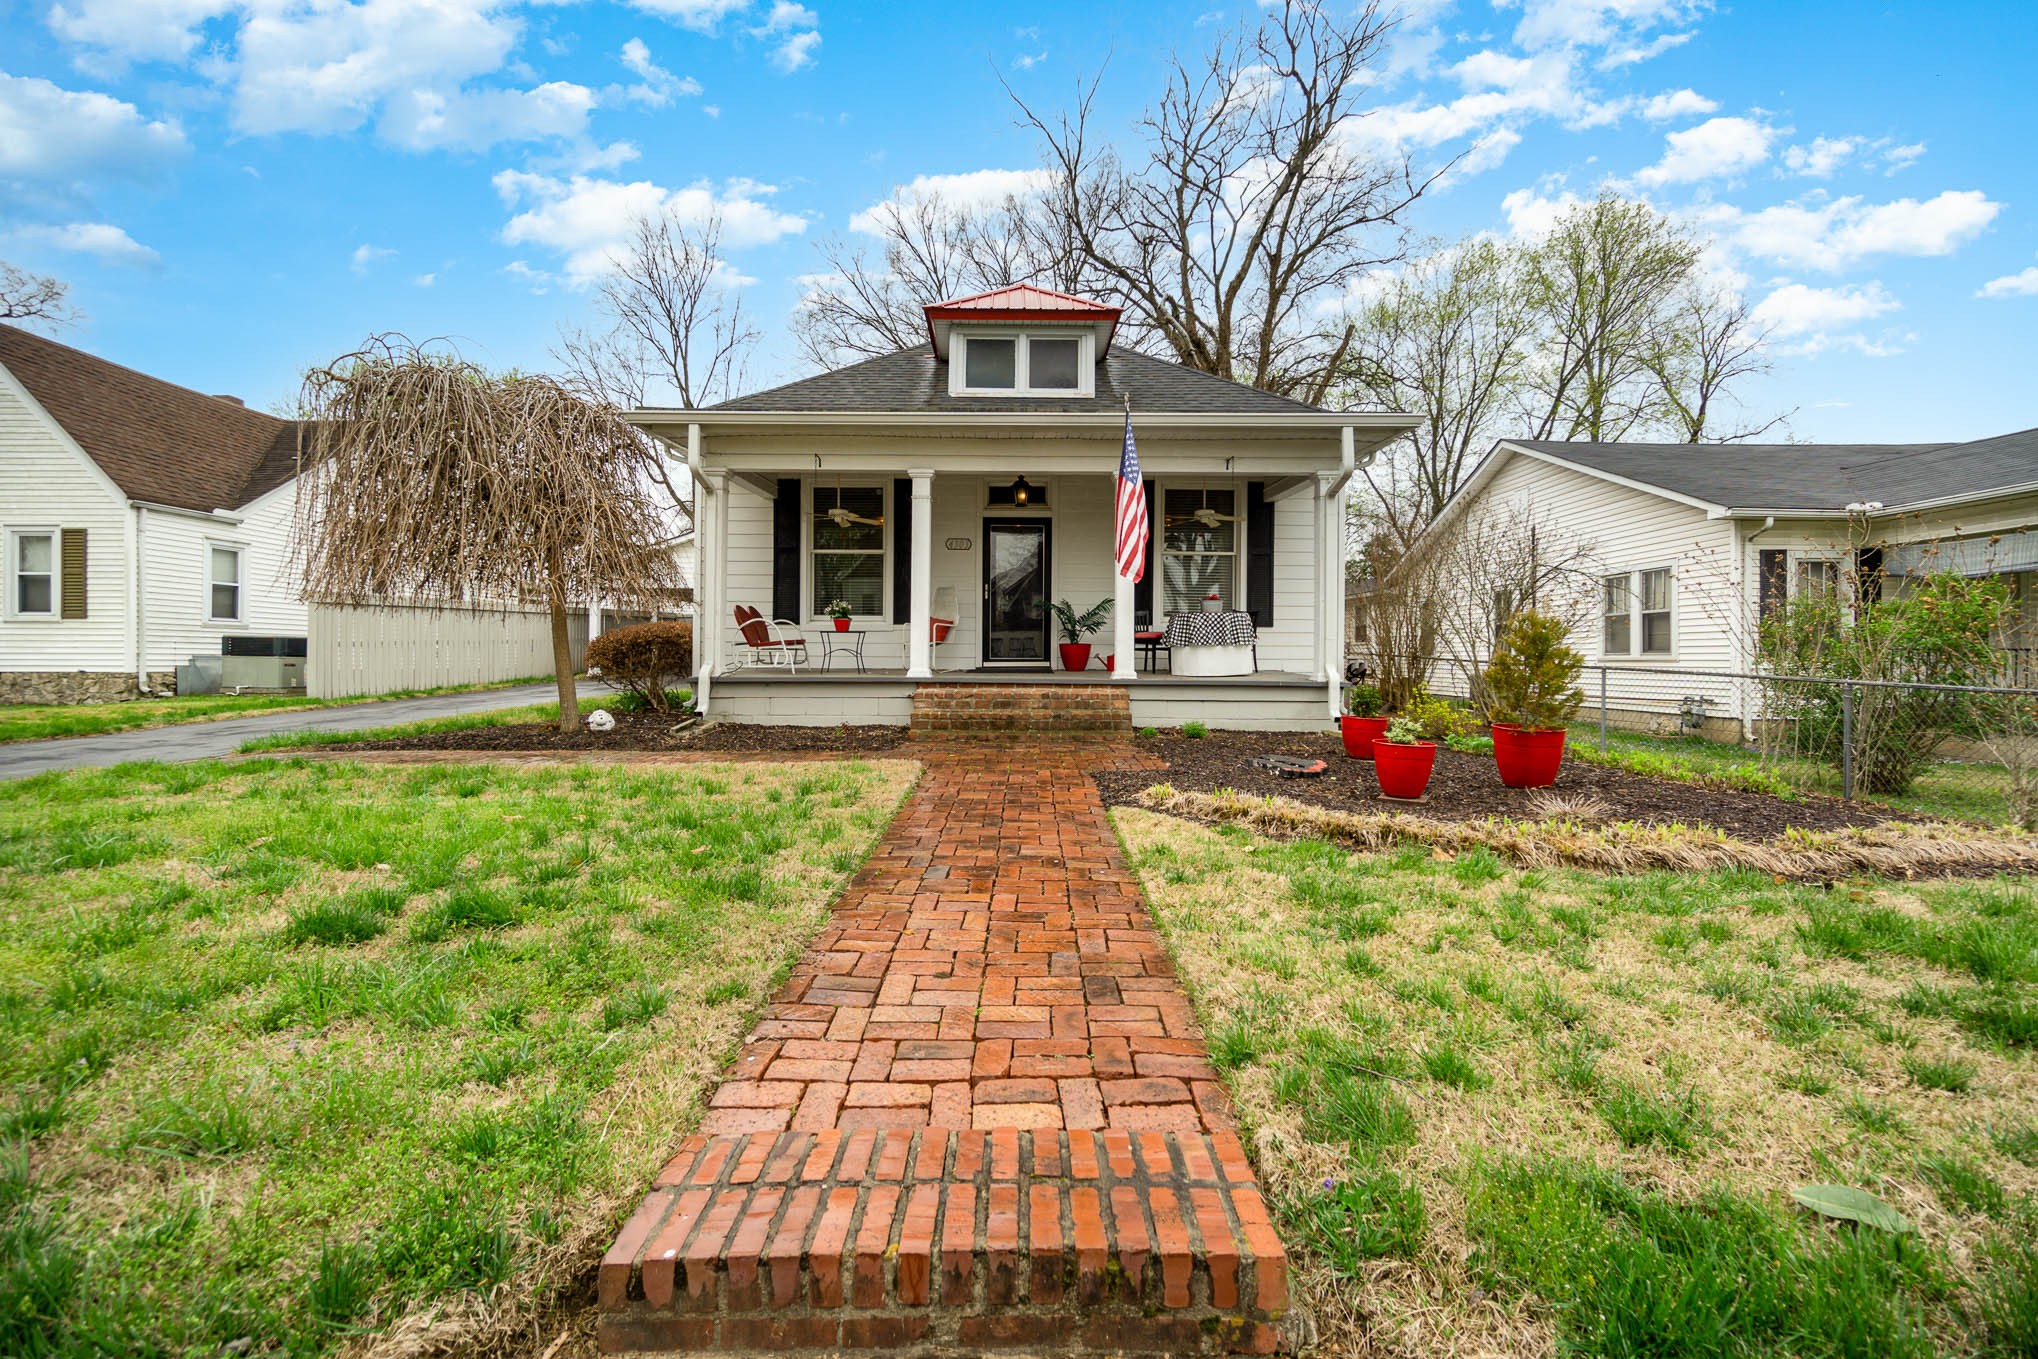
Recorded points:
(1112, 1241)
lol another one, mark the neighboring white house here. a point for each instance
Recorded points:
(142, 525)
(1683, 546)
(971, 480)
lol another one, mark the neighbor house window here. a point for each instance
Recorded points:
(223, 583)
(1199, 548)
(1015, 365)
(1818, 576)
(34, 559)
(849, 548)
(1635, 613)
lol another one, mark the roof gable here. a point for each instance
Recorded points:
(157, 441)
(1021, 303)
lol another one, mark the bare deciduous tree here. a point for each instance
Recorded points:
(1252, 198)
(1710, 342)
(868, 299)
(426, 479)
(34, 297)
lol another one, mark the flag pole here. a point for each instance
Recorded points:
(1122, 597)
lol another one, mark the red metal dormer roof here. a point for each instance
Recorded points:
(1020, 302)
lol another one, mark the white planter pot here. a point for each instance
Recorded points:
(1213, 606)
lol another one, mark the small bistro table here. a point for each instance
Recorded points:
(837, 643)
(1212, 643)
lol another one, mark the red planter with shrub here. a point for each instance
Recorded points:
(1359, 733)
(1528, 757)
(1404, 767)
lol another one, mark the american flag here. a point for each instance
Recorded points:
(1131, 510)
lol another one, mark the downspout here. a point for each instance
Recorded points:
(136, 541)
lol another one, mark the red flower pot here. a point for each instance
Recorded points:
(1528, 757)
(1404, 770)
(841, 624)
(1075, 655)
(1359, 733)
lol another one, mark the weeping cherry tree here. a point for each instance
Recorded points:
(428, 480)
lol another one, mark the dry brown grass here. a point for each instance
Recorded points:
(1467, 954)
(1895, 849)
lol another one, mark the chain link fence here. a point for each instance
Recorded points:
(1964, 751)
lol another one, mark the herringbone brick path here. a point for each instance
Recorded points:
(984, 1058)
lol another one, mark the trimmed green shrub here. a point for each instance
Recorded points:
(646, 660)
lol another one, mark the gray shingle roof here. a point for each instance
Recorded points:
(1814, 476)
(914, 380)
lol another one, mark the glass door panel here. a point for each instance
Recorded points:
(1015, 592)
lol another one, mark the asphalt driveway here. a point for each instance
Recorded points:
(208, 740)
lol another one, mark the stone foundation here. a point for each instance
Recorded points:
(80, 686)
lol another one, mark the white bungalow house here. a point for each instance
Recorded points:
(1684, 547)
(950, 493)
(142, 523)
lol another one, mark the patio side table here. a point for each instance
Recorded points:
(848, 644)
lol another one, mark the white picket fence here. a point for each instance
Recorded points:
(358, 650)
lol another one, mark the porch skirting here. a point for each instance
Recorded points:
(1264, 702)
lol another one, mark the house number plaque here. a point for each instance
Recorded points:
(957, 544)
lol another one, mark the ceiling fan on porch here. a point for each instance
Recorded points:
(843, 517)
(1206, 515)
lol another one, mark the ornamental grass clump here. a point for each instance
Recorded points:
(1532, 680)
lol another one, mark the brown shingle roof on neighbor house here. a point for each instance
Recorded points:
(159, 442)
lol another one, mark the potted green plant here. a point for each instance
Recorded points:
(1406, 756)
(1531, 693)
(1077, 629)
(1364, 720)
(840, 612)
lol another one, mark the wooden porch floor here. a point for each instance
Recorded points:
(1267, 679)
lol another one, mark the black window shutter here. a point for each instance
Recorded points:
(1142, 589)
(785, 550)
(902, 549)
(71, 573)
(1259, 554)
(1868, 574)
(1772, 566)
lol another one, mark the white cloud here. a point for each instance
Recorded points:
(425, 280)
(366, 254)
(103, 239)
(657, 86)
(1795, 309)
(2021, 284)
(52, 136)
(585, 220)
(1833, 234)
(1530, 214)
(425, 120)
(1026, 61)
(972, 189)
(797, 30)
(1621, 24)
(1716, 148)
(1900, 157)
(134, 30)
(1631, 54)
(1822, 157)
(700, 15)
(1678, 104)
(796, 52)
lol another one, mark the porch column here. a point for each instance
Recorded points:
(1330, 628)
(1122, 621)
(920, 624)
(711, 569)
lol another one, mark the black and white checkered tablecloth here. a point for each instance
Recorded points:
(1233, 628)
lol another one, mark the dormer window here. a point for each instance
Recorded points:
(1022, 364)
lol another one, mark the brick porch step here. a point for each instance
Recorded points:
(988, 709)
(930, 1241)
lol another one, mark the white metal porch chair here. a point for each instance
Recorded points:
(770, 641)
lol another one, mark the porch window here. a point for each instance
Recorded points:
(1636, 607)
(224, 583)
(849, 549)
(1199, 548)
(34, 593)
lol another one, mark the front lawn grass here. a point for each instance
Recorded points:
(1537, 1112)
(42, 721)
(293, 1052)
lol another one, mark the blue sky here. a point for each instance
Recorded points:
(237, 190)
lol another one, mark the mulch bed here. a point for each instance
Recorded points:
(1467, 787)
(648, 732)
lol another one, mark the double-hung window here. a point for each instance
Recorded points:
(223, 583)
(1635, 613)
(1199, 548)
(1817, 575)
(33, 559)
(849, 549)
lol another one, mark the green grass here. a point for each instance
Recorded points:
(1952, 790)
(300, 1048)
(1555, 1112)
(40, 721)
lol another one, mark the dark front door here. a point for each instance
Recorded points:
(1015, 592)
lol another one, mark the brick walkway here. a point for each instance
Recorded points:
(979, 1114)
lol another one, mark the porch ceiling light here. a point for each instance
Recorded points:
(1022, 494)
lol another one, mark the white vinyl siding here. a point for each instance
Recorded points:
(177, 580)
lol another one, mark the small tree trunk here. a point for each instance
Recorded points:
(562, 660)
